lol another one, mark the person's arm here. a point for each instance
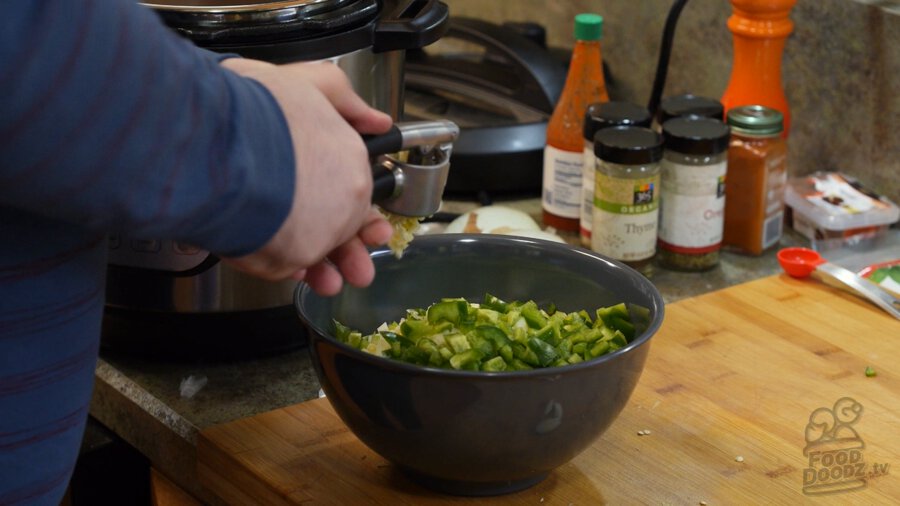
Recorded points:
(112, 122)
(324, 238)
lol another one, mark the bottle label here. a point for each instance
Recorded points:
(692, 207)
(772, 229)
(625, 217)
(587, 191)
(776, 181)
(562, 182)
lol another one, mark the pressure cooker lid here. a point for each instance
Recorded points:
(500, 87)
(242, 12)
(296, 30)
(235, 7)
(212, 22)
(500, 146)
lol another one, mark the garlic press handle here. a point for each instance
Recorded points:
(382, 144)
(387, 181)
(425, 135)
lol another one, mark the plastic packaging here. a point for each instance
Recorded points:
(599, 116)
(626, 195)
(564, 153)
(885, 274)
(692, 196)
(833, 210)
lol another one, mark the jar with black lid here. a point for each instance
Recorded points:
(597, 117)
(626, 200)
(689, 105)
(692, 196)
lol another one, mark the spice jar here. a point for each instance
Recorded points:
(626, 202)
(754, 196)
(692, 195)
(599, 116)
(689, 105)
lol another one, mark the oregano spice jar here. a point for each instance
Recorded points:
(692, 196)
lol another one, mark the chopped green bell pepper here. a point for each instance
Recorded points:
(448, 310)
(497, 335)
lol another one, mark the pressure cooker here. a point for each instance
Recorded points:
(176, 301)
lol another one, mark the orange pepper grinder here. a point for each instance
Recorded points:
(759, 28)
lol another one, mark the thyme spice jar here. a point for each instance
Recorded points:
(692, 196)
(626, 199)
(599, 116)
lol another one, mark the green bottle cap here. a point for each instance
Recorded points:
(588, 27)
(756, 120)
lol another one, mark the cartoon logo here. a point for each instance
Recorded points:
(835, 451)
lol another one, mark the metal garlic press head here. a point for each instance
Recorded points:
(410, 166)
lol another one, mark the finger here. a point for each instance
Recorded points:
(299, 275)
(371, 121)
(324, 279)
(242, 65)
(376, 230)
(336, 87)
(378, 233)
(261, 268)
(353, 261)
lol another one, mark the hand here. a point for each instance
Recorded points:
(323, 240)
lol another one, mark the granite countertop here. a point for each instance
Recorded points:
(140, 399)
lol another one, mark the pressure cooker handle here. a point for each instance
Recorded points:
(410, 24)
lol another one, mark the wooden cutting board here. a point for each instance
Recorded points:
(730, 385)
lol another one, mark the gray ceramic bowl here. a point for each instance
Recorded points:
(476, 433)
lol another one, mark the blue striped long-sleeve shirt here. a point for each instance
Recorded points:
(109, 122)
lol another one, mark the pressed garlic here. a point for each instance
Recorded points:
(404, 231)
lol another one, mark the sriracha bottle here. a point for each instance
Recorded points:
(564, 152)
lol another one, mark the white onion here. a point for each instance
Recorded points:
(500, 220)
(491, 220)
